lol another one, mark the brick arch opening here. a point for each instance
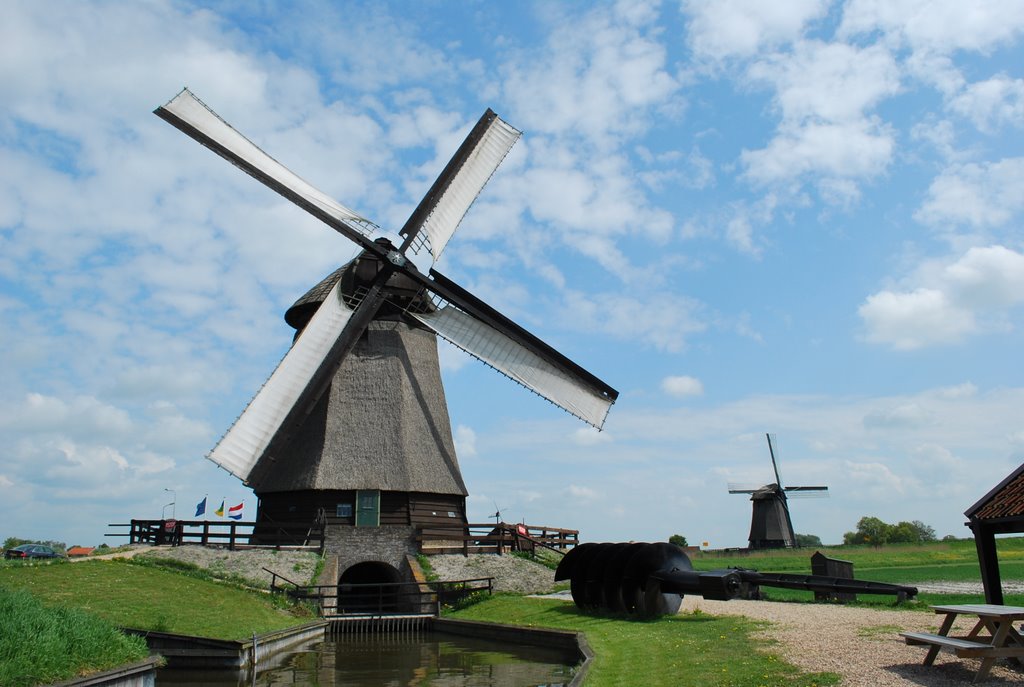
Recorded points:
(369, 587)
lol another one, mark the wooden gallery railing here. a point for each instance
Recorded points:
(488, 538)
(235, 535)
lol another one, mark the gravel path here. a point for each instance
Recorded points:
(861, 644)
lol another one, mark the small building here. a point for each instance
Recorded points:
(1001, 511)
(80, 551)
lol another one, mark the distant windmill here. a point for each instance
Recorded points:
(770, 524)
(353, 423)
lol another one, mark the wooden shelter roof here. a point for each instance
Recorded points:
(1006, 500)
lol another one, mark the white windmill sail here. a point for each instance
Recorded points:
(244, 444)
(190, 114)
(518, 363)
(469, 180)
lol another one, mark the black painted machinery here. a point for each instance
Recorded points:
(649, 579)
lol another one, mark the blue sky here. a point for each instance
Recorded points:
(801, 218)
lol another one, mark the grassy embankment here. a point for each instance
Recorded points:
(154, 598)
(64, 642)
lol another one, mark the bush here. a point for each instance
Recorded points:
(679, 540)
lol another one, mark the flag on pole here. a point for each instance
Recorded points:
(220, 511)
(201, 508)
(235, 512)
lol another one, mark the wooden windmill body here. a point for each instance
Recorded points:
(403, 472)
(353, 426)
(771, 526)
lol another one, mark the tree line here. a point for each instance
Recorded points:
(875, 532)
(870, 530)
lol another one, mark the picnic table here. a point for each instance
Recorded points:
(993, 635)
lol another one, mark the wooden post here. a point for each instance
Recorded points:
(988, 561)
(206, 532)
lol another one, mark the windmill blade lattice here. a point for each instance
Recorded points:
(287, 389)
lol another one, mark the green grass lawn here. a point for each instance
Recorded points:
(691, 649)
(151, 598)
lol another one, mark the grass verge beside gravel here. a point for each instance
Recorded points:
(65, 642)
(692, 649)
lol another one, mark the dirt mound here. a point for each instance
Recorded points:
(250, 564)
(510, 573)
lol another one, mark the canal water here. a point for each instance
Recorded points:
(438, 660)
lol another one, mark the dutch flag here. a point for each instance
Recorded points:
(235, 512)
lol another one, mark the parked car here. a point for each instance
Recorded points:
(31, 551)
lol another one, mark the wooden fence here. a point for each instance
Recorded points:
(234, 535)
(499, 538)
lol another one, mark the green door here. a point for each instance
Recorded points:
(367, 508)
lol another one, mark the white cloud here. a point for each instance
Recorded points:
(465, 442)
(5, 482)
(899, 417)
(580, 493)
(859, 149)
(936, 26)
(969, 295)
(597, 77)
(740, 28)
(823, 91)
(682, 386)
(830, 82)
(992, 103)
(979, 195)
(665, 323)
(911, 320)
(589, 436)
(988, 277)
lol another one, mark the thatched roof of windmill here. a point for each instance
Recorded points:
(382, 425)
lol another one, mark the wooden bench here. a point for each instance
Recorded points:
(964, 648)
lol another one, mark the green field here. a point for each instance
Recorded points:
(908, 564)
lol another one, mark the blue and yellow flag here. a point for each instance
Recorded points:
(220, 511)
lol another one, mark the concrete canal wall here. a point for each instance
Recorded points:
(141, 674)
(202, 652)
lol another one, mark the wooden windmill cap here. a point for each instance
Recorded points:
(402, 292)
